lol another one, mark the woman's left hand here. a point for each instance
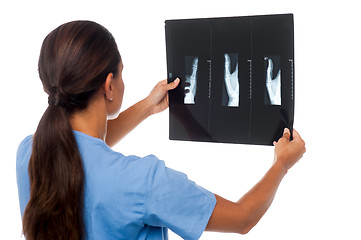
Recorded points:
(158, 97)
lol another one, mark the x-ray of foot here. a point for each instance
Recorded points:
(273, 84)
(191, 84)
(231, 81)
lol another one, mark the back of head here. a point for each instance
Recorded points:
(74, 62)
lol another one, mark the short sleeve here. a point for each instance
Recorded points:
(22, 177)
(175, 202)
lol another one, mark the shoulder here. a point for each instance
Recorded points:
(25, 144)
(22, 161)
(99, 160)
(24, 151)
(141, 169)
(96, 152)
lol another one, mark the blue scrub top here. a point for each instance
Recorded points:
(128, 197)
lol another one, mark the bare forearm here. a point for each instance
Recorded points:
(243, 215)
(155, 102)
(126, 121)
(257, 201)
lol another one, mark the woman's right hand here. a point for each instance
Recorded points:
(289, 152)
(158, 97)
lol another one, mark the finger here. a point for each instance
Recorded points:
(269, 70)
(173, 84)
(167, 99)
(163, 82)
(296, 134)
(297, 137)
(227, 64)
(286, 134)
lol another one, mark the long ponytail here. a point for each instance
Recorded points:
(57, 179)
(74, 61)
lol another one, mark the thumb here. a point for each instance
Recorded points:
(173, 84)
(286, 134)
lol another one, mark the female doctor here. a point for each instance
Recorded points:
(72, 185)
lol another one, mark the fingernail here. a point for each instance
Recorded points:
(286, 130)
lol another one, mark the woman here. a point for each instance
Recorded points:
(73, 186)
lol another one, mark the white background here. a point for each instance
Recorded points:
(320, 198)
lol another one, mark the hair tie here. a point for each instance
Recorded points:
(54, 98)
(55, 102)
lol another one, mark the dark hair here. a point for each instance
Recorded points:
(74, 62)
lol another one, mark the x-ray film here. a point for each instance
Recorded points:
(237, 78)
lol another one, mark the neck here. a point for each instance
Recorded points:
(91, 121)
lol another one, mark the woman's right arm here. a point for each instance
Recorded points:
(242, 216)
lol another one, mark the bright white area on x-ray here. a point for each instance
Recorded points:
(318, 199)
(231, 81)
(191, 81)
(273, 84)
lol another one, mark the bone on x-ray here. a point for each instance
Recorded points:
(191, 84)
(231, 82)
(273, 84)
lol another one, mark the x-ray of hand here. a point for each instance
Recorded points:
(273, 85)
(231, 81)
(191, 84)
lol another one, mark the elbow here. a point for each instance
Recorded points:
(247, 221)
(244, 230)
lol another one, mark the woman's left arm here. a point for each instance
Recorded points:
(157, 101)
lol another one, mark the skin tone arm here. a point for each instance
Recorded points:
(127, 120)
(242, 216)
